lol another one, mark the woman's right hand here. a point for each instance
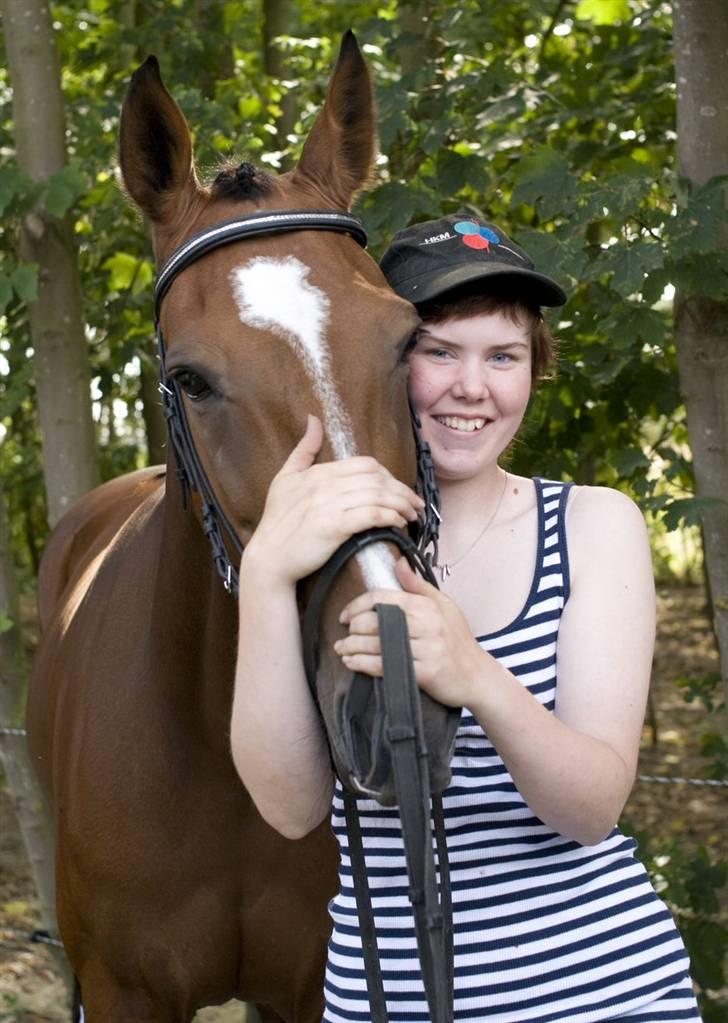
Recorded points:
(312, 509)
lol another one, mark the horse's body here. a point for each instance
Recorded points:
(172, 893)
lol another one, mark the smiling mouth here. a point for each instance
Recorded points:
(462, 425)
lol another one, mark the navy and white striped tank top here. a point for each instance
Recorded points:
(545, 929)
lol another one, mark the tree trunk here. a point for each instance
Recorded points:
(701, 323)
(56, 321)
(31, 807)
(217, 59)
(416, 27)
(277, 22)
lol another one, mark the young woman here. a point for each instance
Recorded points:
(543, 632)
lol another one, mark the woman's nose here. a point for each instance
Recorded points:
(471, 383)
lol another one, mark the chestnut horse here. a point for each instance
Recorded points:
(172, 893)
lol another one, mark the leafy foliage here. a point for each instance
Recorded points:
(554, 119)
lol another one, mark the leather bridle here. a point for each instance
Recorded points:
(397, 742)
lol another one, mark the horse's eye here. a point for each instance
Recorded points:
(195, 387)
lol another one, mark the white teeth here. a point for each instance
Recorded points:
(466, 425)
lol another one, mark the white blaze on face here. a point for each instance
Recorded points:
(276, 295)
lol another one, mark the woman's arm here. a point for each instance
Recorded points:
(575, 767)
(278, 743)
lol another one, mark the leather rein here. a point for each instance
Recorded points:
(397, 743)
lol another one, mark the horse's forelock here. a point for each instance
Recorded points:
(241, 181)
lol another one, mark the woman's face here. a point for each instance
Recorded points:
(470, 381)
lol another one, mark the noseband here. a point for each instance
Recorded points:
(397, 743)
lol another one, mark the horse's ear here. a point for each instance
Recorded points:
(339, 152)
(156, 148)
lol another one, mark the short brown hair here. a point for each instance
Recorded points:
(462, 303)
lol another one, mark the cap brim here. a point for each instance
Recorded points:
(541, 289)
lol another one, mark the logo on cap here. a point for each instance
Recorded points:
(475, 236)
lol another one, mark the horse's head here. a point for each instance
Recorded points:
(266, 328)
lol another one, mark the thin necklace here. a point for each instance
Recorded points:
(447, 566)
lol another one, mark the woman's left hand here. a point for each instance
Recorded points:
(448, 662)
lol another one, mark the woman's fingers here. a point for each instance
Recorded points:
(359, 489)
(304, 454)
(366, 664)
(358, 645)
(366, 602)
(366, 623)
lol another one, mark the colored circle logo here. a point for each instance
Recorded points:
(475, 236)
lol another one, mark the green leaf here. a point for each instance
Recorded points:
(630, 263)
(6, 622)
(391, 203)
(25, 281)
(699, 226)
(543, 179)
(648, 325)
(603, 12)
(127, 271)
(64, 188)
(707, 941)
(628, 460)
(688, 511)
(14, 186)
(455, 171)
(560, 257)
(705, 274)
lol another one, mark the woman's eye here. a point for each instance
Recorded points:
(195, 387)
(502, 357)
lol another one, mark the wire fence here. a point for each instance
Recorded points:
(43, 937)
(659, 779)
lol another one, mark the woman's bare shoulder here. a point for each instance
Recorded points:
(604, 523)
(600, 505)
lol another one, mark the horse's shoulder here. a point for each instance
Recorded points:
(89, 528)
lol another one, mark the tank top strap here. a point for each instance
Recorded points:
(552, 560)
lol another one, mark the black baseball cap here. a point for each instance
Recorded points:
(428, 259)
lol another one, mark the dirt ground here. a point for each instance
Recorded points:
(31, 992)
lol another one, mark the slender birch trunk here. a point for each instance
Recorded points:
(56, 319)
(277, 15)
(701, 323)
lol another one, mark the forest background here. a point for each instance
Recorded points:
(559, 119)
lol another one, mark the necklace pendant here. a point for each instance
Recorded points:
(445, 571)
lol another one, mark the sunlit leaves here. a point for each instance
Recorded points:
(129, 273)
(603, 12)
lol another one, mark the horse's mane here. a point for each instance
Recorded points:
(241, 181)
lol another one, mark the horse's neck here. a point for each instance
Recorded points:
(194, 618)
